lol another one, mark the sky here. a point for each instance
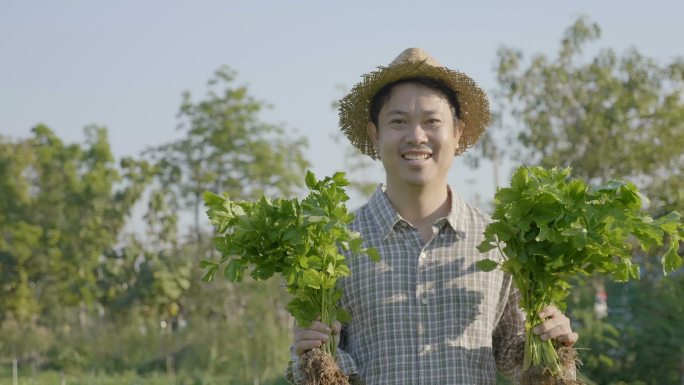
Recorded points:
(124, 64)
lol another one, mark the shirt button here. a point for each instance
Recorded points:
(427, 348)
(422, 255)
(424, 301)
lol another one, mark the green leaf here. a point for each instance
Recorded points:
(671, 260)
(316, 218)
(486, 246)
(212, 200)
(555, 264)
(520, 179)
(339, 179)
(373, 254)
(629, 196)
(356, 244)
(343, 316)
(263, 272)
(546, 207)
(624, 270)
(518, 213)
(208, 264)
(505, 195)
(486, 265)
(211, 272)
(234, 270)
(221, 244)
(498, 230)
(669, 223)
(302, 311)
(342, 271)
(310, 179)
(545, 213)
(310, 278)
(649, 236)
(544, 234)
(576, 190)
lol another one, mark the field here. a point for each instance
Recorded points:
(128, 378)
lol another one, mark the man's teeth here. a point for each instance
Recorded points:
(416, 156)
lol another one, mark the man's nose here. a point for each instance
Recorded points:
(416, 134)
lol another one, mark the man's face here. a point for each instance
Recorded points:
(416, 137)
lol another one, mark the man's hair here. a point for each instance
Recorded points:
(383, 96)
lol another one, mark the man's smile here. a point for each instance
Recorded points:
(416, 156)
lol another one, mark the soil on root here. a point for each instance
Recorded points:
(320, 368)
(536, 375)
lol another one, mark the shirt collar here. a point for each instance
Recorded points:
(457, 214)
(386, 216)
(382, 211)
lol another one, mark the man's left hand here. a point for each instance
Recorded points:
(555, 326)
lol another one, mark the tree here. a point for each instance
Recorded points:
(225, 148)
(610, 116)
(62, 207)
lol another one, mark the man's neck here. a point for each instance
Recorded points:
(421, 205)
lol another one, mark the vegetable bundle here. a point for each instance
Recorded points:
(550, 228)
(297, 239)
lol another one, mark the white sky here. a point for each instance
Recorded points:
(123, 64)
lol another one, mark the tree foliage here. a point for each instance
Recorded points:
(62, 206)
(606, 116)
(227, 147)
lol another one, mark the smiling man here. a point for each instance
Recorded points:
(419, 136)
(425, 314)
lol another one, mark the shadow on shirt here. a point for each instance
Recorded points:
(429, 317)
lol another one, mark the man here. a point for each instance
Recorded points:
(424, 314)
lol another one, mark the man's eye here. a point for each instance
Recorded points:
(397, 121)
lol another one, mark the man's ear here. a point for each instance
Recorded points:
(372, 131)
(459, 126)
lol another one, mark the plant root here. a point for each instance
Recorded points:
(537, 375)
(320, 368)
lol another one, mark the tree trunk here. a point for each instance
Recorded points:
(166, 335)
(34, 369)
(213, 353)
(15, 372)
(495, 167)
(170, 370)
(198, 204)
(82, 316)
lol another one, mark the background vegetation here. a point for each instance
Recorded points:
(99, 276)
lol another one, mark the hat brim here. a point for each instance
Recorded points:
(354, 108)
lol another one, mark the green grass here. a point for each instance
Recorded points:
(128, 378)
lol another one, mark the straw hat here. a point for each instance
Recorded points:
(412, 63)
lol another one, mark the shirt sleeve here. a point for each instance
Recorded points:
(509, 336)
(344, 360)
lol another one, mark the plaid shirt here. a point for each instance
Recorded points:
(424, 314)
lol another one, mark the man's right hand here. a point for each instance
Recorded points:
(315, 335)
